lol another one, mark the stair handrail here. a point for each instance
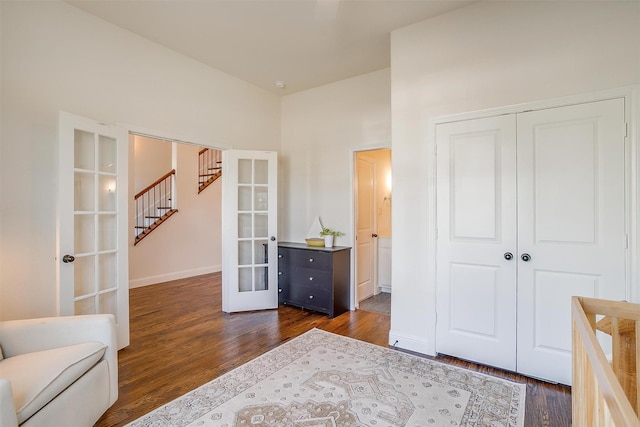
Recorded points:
(209, 167)
(154, 205)
(156, 182)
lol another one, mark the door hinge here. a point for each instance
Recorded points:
(626, 241)
(626, 130)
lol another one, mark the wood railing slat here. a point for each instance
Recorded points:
(600, 398)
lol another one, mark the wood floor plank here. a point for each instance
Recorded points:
(181, 339)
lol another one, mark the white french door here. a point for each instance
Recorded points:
(249, 230)
(93, 272)
(531, 210)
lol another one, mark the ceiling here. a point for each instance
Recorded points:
(305, 43)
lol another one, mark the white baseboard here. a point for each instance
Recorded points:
(411, 343)
(152, 280)
(386, 289)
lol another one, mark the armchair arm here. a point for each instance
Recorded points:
(7, 408)
(27, 336)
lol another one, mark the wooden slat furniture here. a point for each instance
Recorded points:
(601, 390)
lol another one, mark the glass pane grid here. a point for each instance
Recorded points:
(253, 191)
(85, 305)
(95, 209)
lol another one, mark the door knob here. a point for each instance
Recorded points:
(525, 257)
(68, 258)
(508, 256)
(374, 235)
(273, 238)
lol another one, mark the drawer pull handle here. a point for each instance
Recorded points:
(310, 259)
(311, 279)
(279, 256)
(279, 273)
(310, 296)
(279, 290)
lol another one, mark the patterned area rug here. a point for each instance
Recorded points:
(320, 379)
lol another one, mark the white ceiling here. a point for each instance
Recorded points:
(306, 43)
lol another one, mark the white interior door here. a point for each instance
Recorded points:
(476, 246)
(571, 224)
(365, 226)
(249, 230)
(570, 237)
(93, 269)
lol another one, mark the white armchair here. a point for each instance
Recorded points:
(57, 371)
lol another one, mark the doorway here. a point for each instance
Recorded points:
(372, 224)
(189, 243)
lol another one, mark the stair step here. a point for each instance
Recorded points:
(153, 217)
(164, 207)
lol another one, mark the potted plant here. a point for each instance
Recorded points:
(329, 236)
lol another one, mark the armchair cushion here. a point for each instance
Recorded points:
(36, 378)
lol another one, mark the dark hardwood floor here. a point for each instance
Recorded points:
(181, 339)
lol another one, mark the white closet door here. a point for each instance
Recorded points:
(476, 211)
(571, 225)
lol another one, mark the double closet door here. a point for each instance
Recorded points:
(530, 211)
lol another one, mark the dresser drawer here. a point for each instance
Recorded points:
(310, 296)
(301, 276)
(285, 258)
(312, 259)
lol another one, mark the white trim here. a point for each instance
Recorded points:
(631, 94)
(170, 136)
(622, 92)
(411, 343)
(161, 278)
(633, 147)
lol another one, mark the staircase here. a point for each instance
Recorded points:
(209, 167)
(153, 205)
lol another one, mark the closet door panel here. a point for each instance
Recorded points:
(570, 223)
(476, 289)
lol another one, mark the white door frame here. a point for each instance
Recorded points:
(353, 212)
(632, 182)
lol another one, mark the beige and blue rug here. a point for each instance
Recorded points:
(321, 379)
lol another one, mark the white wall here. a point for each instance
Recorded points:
(189, 243)
(320, 128)
(488, 54)
(150, 160)
(55, 57)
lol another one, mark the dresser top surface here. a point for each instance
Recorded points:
(296, 245)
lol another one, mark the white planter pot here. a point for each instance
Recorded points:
(328, 241)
